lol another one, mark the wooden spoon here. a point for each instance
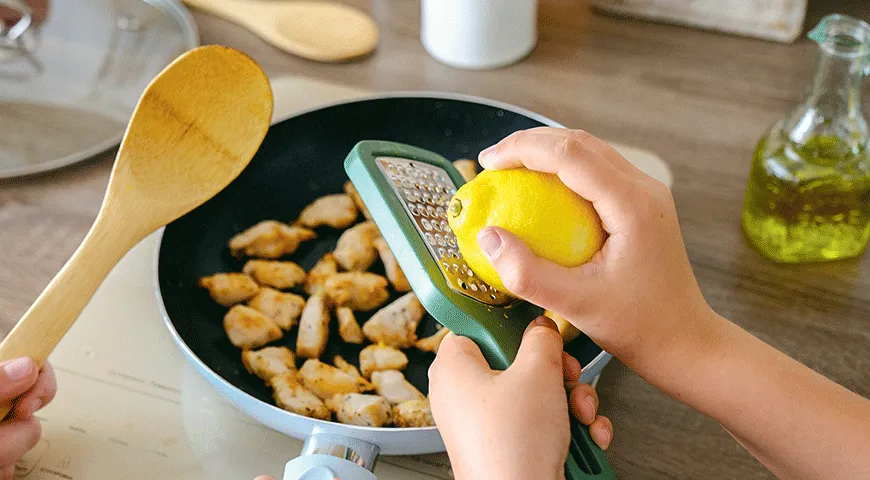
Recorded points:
(196, 127)
(321, 31)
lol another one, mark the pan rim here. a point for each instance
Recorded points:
(595, 365)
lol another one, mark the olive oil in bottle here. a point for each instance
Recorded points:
(808, 195)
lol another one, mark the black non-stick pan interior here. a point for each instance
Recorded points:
(300, 160)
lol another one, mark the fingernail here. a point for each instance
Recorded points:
(489, 241)
(486, 152)
(18, 369)
(542, 321)
(587, 409)
(606, 440)
(35, 405)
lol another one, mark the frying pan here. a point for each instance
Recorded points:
(301, 159)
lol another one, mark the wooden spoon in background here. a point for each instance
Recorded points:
(319, 30)
(196, 127)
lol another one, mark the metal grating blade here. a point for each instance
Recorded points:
(425, 192)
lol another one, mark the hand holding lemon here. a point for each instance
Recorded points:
(562, 220)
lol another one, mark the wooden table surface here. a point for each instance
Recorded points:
(699, 99)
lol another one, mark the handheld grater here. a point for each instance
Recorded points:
(407, 190)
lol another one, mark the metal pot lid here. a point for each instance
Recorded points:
(72, 71)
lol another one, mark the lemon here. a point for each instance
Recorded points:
(556, 223)
(569, 332)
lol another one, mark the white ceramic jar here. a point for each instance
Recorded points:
(479, 34)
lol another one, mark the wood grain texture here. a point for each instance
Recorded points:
(321, 31)
(779, 20)
(698, 99)
(195, 129)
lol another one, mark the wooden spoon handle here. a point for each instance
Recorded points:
(58, 306)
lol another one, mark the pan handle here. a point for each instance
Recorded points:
(327, 456)
(586, 461)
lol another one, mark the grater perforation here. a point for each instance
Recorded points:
(425, 190)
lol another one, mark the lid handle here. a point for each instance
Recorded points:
(13, 33)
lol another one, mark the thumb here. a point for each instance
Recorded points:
(541, 350)
(16, 378)
(458, 362)
(524, 274)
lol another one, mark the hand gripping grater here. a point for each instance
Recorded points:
(407, 190)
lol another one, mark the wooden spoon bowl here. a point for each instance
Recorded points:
(196, 127)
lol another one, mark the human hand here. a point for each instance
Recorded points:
(638, 294)
(512, 424)
(23, 384)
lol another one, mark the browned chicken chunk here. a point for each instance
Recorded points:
(432, 342)
(394, 272)
(325, 268)
(346, 367)
(377, 357)
(248, 328)
(413, 413)
(361, 409)
(396, 324)
(357, 200)
(336, 211)
(283, 308)
(391, 384)
(325, 380)
(355, 250)
(359, 291)
(313, 327)
(271, 273)
(290, 395)
(229, 289)
(269, 239)
(348, 328)
(269, 361)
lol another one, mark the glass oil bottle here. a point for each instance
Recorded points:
(808, 195)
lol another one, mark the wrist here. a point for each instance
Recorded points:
(699, 338)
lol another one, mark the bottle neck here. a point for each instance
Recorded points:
(832, 107)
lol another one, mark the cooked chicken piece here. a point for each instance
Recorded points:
(432, 342)
(377, 357)
(345, 366)
(292, 396)
(313, 327)
(269, 361)
(325, 268)
(271, 273)
(391, 384)
(357, 200)
(269, 239)
(355, 250)
(396, 324)
(467, 168)
(248, 328)
(324, 380)
(348, 328)
(360, 409)
(394, 272)
(336, 211)
(229, 289)
(284, 308)
(413, 413)
(357, 290)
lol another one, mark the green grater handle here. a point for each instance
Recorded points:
(498, 338)
(586, 461)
